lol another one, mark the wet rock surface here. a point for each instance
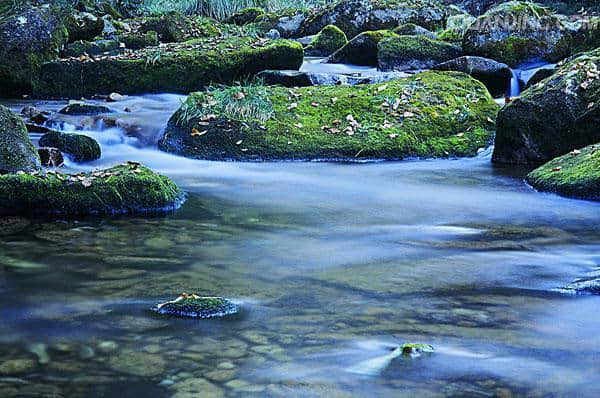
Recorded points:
(194, 306)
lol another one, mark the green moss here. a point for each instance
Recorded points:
(576, 174)
(362, 49)
(414, 52)
(193, 306)
(125, 189)
(136, 41)
(175, 27)
(178, 68)
(81, 147)
(17, 153)
(588, 37)
(246, 16)
(329, 40)
(433, 114)
(516, 32)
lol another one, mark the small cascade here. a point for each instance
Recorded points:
(514, 89)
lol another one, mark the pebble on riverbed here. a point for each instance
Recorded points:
(194, 306)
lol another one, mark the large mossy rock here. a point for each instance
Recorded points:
(413, 52)
(17, 153)
(516, 32)
(432, 114)
(28, 37)
(576, 174)
(181, 67)
(80, 147)
(83, 26)
(362, 49)
(555, 116)
(356, 16)
(125, 189)
(175, 27)
(245, 16)
(328, 41)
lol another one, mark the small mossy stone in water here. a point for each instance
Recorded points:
(415, 349)
(194, 306)
(80, 147)
(328, 41)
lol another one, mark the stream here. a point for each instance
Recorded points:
(332, 264)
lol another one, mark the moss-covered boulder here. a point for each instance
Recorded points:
(195, 306)
(81, 108)
(137, 41)
(175, 27)
(28, 37)
(413, 52)
(17, 153)
(177, 67)
(79, 48)
(356, 16)
(576, 174)
(79, 147)
(456, 26)
(125, 189)
(410, 29)
(432, 114)
(555, 116)
(328, 41)
(516, 32)
(362, 49)
(83, 26)
(587, 37)
(245, 16)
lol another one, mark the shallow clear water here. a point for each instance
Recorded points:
(332, 264)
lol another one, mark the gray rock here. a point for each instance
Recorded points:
(495, 75)
(79, 109)
(83, 26)
(286, 78)
(51, 157)
(17, 153)
(273, 34)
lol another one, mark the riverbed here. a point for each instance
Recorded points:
(331, 264)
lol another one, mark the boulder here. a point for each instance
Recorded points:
(357, 16)
(176, 27)
(456, 26)
(83, 26)
(413, 52)
(286, 78)
(495, 75)
(410, 29)
(555, 116)
(177, 67)
(80, 147)
(587, 36)
(538, 76)
(93, 48)
(35, 115)
(136, 41)
(362, 49)
(245, 16)
(432, 114)
(17, 153)
(576, 174)
(517, 32)
(81, 109)
(51, 157)
(125, 189)
(328, 41)
(28, 38)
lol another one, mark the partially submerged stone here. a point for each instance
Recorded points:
(80, 147)
(362, 49)
(194, 306)
(51, 157)
(78, 109)
(516, 32)
(554, 117)
(177, 67)
(17, 153)
(432, 114)
(416, 349)
(125, 189)
(588, 285)
(576, 174)
(495, 75)
(413, 52)
(375, 366)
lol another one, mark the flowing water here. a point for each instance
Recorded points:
(333, 265)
